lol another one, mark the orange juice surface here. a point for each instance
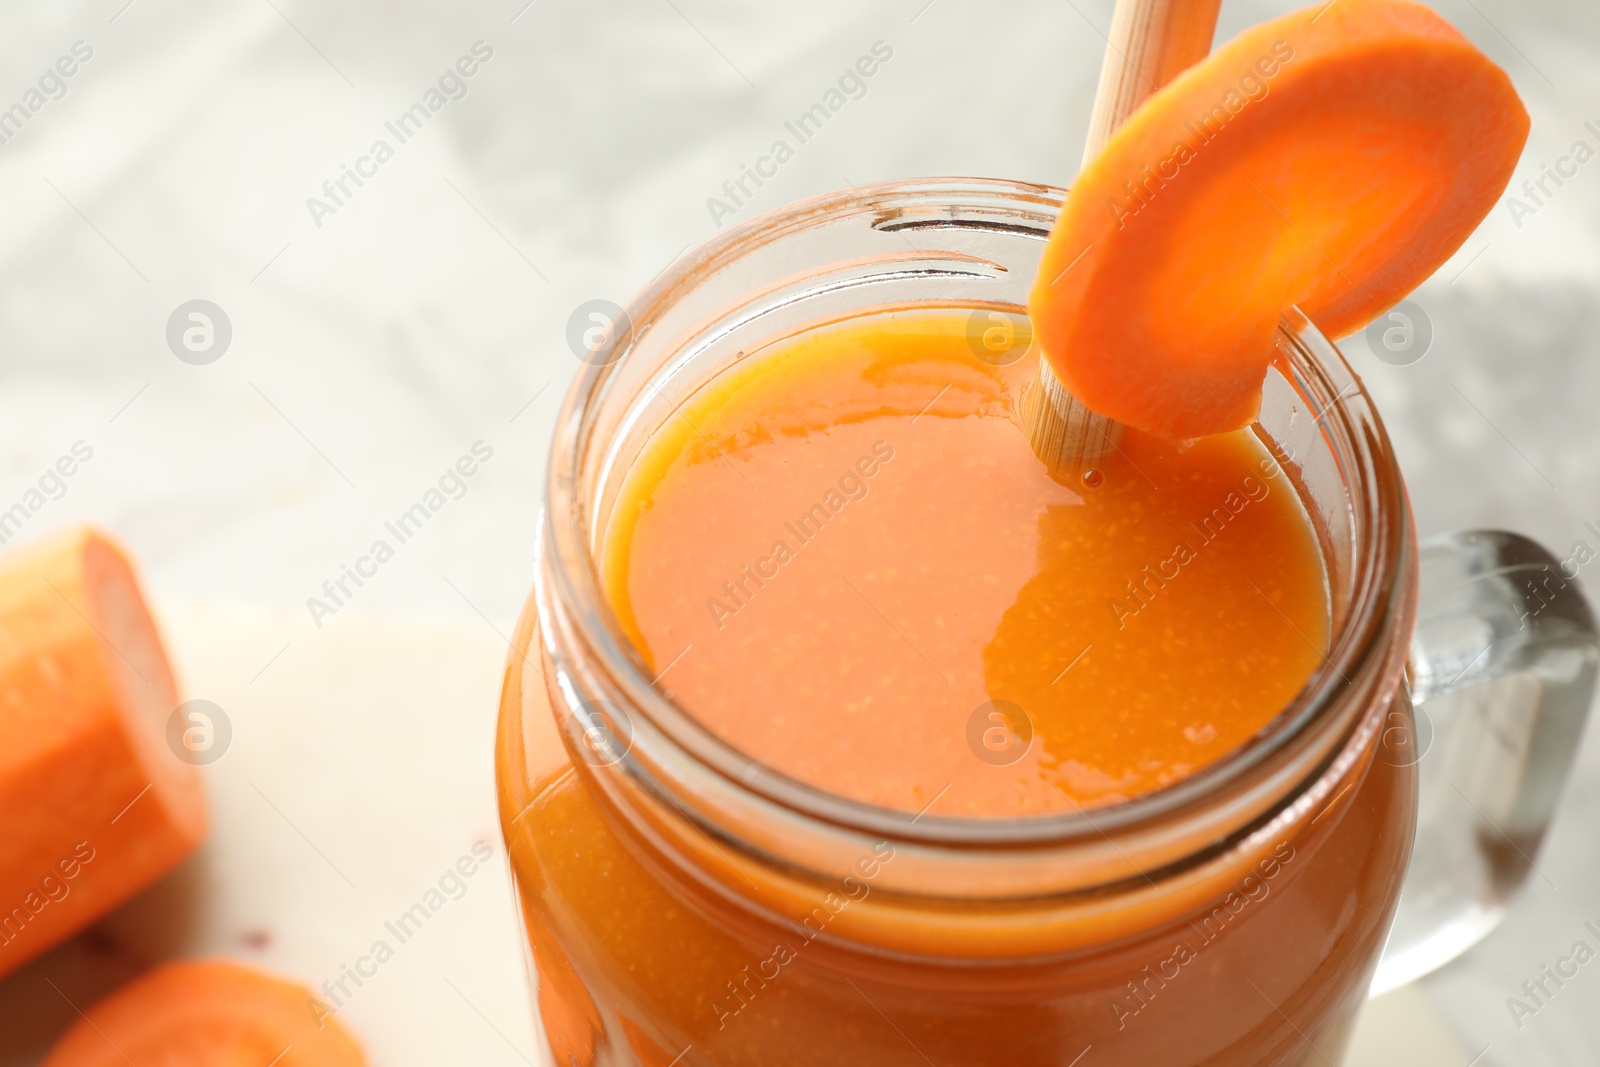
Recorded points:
(843, 558)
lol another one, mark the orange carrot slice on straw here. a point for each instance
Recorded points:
(1332, 159)
(94, 805)
(206, 1013)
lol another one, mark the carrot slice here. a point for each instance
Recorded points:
(1332, 159)
(205, 1013)
(93, 804)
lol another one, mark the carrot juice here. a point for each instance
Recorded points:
(844, 559)
(841, 559)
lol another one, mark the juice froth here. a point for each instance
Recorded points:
(843, 559)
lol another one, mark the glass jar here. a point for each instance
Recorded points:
(685, 905)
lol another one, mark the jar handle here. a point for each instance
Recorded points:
(1502, 670)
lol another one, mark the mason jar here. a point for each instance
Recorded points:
(686, 905)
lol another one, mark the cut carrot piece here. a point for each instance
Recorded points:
(206, 1013)
(93, 804)
(1332, 159)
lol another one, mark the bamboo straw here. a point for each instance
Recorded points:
(1151, 41)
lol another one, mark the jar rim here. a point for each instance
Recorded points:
(571, 600)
